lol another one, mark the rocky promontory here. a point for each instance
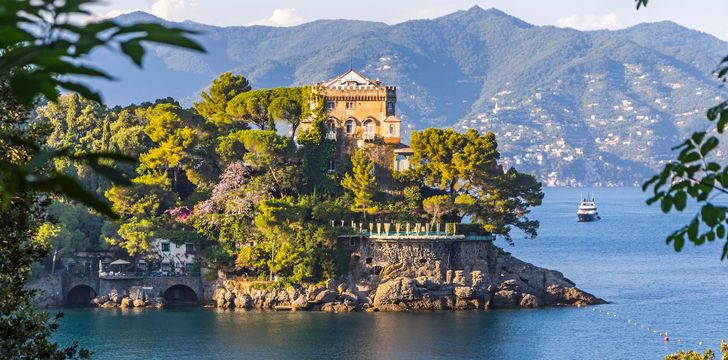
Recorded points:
(489, 279)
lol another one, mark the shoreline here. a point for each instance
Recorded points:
(479, 276)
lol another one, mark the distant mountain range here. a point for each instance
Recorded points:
(574, 107)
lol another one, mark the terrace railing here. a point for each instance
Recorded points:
(141, 274)
(452, 231)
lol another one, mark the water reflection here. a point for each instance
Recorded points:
(621, 258)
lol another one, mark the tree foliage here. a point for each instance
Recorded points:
(698, 175)
(215, 100)
(298, 244)
(464, 166)
(438, 206)
(694, 355)
(262, 107)
(361, 181)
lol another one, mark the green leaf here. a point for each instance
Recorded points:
(700, 240)
(10, 36)
(723, 121)
(17, 140)
(713, 166)
(649, 182)
(689, 157)
(109, 172)
(175, 39)
(720, 231)
(25, 87)
(81, 89)
(698, 137)
(654, 199)
(716, 110)
(666, 203)
(710, 215)
(693, 229)
(134, 50)
(709, 145)
(680, 200)
(64, 185)
(105, 155)
(63, 67)
(722, 72)
(677, 239)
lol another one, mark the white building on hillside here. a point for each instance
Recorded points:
(175, 257)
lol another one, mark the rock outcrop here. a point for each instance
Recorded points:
(490, 279)
(136, 297)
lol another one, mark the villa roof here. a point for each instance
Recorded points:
(391, 118)
(350, 77)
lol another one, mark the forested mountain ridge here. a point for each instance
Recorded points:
(574, 107)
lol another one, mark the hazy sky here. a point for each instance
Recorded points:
(705, 15)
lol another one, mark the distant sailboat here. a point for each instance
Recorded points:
(587, 209)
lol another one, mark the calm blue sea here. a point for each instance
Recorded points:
(622, 258)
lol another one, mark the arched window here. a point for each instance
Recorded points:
(330, 125)
(349, 126)
(369, 127)
(369, 130)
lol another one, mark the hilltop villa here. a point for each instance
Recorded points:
(362, 113)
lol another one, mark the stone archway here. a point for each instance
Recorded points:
(180, 295)
(80, 295)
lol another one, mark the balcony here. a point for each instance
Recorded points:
(331, 135)
(369, 136)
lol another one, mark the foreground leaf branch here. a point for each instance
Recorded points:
(697, 175)
(42, 52)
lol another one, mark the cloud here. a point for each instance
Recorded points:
(116, 12)
(281, 17)
(427, 12)
(589, 21)
(175, 10)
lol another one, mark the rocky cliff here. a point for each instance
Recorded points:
(475, 275)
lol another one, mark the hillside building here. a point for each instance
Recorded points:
(359, 110)
(174, 257)
(362, 114)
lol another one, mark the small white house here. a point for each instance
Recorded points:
(175, 257)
